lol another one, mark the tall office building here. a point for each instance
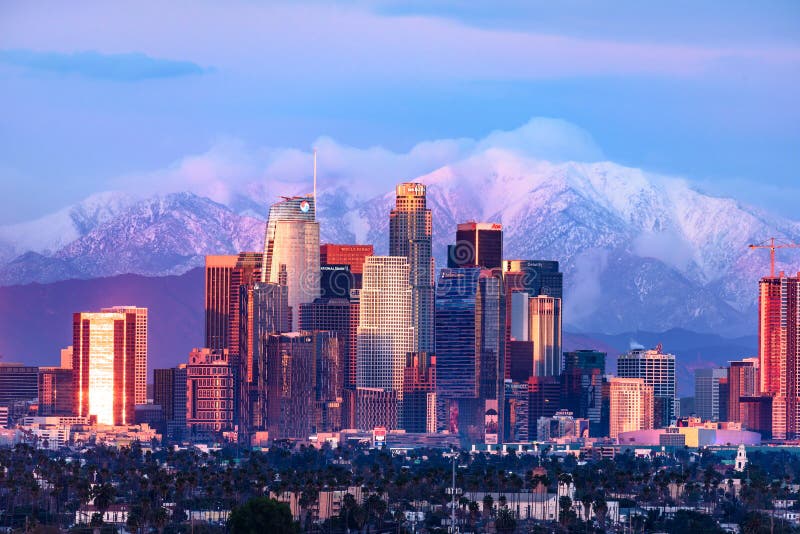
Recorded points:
(295, 263)
(517, 418)
(140, 349)
(104, 365)
(353, 256)
(298, 208)
(707, 398)
(304, 393)
(743, 381)
(352, 358)
(657, 370)
(537, 319)
(385, 328)
(332, 315)
(56, 391)
(477, 245)
(18, 383)
(263, 310)
(211, 392)
(544, 399)
(335, 281)
(419, 393)
(169, 392)
(410, 235)
(582, 386)
(217, 298)
(779, 351)
(291, 250)
(244, 275)
(377, 407)
(224, 278)
(631, 405)
(470, 348)
(534, 277)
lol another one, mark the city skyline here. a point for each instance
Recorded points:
(400, 266)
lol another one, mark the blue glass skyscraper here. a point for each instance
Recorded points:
(470, 308)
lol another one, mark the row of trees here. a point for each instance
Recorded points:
(161, 486)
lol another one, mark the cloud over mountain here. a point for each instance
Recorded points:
(639, 250)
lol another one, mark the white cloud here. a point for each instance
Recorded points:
(303, 42)
(231, 170)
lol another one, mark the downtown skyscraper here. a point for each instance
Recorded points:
(743, 381)
(385, 335)
(710, 397)
(537, 320)
(291, 251)
(304, 384)
(104, 363)
(658, 371)
(470, 349)
(140, 349)
(410, 235)
(779, 351)
(478, 244)
(631, 405)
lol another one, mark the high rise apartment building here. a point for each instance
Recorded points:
(779, 351)
(169, 392)
(332, 315)
(140, 349)
(631, 405)
(657, 370)
(419, 393)
(104, 365)
(211, 392)
(304, 393)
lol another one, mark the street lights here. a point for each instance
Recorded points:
(453, 491)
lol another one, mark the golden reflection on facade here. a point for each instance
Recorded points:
(104, 366)
(101, 369)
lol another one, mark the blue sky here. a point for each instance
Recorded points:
(91, 92)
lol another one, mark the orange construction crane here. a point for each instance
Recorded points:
(771, 244)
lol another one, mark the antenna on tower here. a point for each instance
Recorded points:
(315, 182)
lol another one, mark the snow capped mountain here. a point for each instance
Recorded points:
(158, 236)
(639, 251)
(52, 232)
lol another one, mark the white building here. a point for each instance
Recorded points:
(385, 331)
(657, 369)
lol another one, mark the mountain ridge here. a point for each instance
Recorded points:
(639, 251)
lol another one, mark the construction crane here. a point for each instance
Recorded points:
(773, 244)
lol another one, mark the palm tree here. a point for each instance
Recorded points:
(600, 510)
(103, 495)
